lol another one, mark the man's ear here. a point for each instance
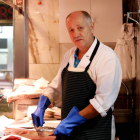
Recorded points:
(92, 26)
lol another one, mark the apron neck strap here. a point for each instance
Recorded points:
(67, 65)
(93, 54)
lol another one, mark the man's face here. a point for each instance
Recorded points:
(81, 33)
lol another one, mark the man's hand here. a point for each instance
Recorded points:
(38, 115)
(66, 126)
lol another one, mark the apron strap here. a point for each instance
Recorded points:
(67, 65)
(93, 54)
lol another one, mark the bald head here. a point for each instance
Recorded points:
(85, 15)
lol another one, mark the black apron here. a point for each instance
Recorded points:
(77, 89)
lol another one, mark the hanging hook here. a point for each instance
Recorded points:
(128, 16)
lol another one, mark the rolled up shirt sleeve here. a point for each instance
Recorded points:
(108, 81)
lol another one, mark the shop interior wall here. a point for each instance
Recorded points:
(45, 48)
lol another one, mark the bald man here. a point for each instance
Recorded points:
(89, 81)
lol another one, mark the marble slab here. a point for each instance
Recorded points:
(47, 71)
(43, 31)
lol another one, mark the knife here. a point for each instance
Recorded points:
(36, 128)
(40, 130)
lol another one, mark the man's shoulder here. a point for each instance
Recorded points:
(106, 49)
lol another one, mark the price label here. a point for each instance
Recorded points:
(19, 1)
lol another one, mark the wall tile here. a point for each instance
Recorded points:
(47, 71)
(107, 17)
(64, 47)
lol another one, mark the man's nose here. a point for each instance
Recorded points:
(76, 33)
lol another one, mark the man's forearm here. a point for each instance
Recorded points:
(89, 112)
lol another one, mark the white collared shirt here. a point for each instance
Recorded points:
(105, 71)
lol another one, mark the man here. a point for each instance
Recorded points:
(89, 80)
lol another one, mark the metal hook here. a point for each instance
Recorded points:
(128, 16)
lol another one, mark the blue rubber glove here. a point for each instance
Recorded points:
(38, 115)
(66, 126)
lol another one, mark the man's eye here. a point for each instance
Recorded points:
(80, 28)
(71, 30)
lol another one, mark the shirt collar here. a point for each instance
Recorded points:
(86, 57)
(90, 50)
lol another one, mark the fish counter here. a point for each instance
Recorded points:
(24, 130)
(25, 96)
